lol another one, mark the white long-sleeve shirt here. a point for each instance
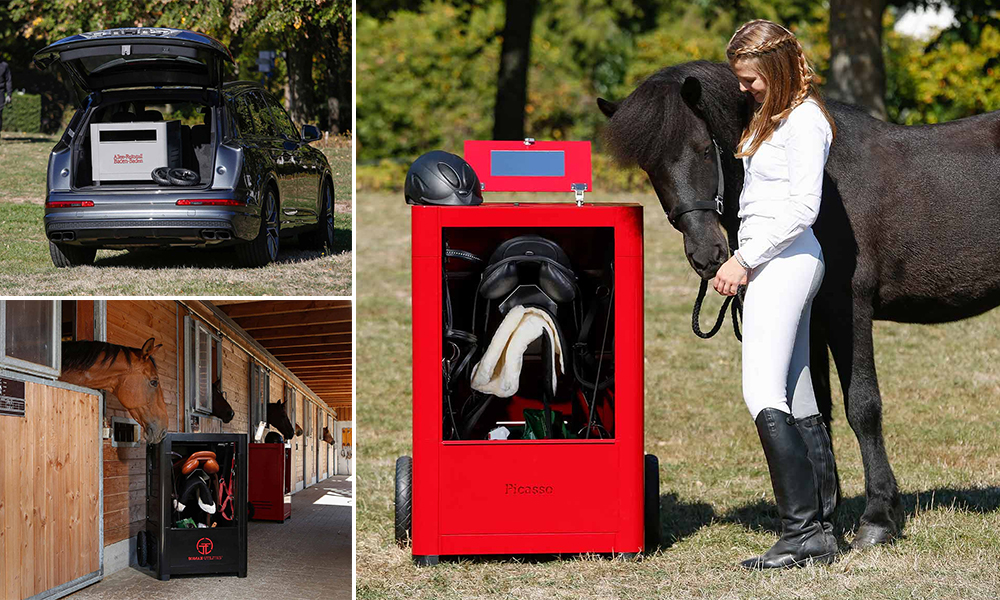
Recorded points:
(783, 184)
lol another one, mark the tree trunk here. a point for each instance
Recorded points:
(857, 68)
(299, 90)
(512, 81)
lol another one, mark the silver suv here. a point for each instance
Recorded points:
(162, 153)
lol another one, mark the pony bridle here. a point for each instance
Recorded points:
(713, 204)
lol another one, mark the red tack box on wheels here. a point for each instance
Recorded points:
(270, 482)
(498, 486)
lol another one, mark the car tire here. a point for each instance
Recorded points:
(404, 500)
(322, 237)
(71, 256)
(263, 249)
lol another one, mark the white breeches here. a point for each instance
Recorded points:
(776, 312)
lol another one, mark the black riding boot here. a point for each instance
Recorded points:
(817, 438)
(802, 536)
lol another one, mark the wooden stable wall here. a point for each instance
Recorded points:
(131, 323)
(49, 491)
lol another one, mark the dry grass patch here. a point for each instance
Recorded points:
(940, 389)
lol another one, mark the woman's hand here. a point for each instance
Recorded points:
(730, 276)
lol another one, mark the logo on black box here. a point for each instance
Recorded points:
(204, 546)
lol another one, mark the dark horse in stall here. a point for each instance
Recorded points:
(908, 225)
(128, 373)
(220, 405)
(277, 417)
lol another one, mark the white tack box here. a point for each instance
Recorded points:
(130, 151)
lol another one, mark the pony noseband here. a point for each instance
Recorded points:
(713, 204)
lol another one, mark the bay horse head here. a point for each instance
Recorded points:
(681, 126)
(327, 436)
(128, 373)
(277, 417)
(220, 406)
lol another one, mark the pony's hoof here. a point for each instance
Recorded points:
(870, 535)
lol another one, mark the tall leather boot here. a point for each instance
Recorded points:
(820, 451)
(803, 539)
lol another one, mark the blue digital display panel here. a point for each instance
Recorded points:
(527, 163)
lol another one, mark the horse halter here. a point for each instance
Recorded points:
(713, 204)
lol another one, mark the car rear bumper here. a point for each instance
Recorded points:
(141, 219)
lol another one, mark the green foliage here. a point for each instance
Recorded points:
(319, 28)
(24, 113)
(952, 79)
(427, 72)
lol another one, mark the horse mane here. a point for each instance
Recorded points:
(82, 355)
(644, 127)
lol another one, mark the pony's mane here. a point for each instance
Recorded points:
(644, 127)
(80, 356)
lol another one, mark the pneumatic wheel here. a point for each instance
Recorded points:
(404, 499)
(322, 237)
(64, 255)
(263, 249)
(142, 548)
(651, 504)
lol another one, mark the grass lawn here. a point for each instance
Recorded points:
(26, 268)
(940, 385)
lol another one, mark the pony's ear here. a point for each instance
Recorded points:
(148, 349)
(691, 92)
(608, 108)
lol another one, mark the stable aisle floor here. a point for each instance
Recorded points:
(307, 557)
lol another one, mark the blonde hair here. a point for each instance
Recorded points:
(777, 56)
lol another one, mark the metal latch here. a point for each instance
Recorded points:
(578, 190)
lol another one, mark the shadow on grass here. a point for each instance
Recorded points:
(292, 250)
(679, 520)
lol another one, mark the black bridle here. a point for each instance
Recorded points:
(715, 204)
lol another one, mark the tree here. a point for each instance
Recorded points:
(512, 80)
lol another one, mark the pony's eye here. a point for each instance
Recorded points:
(708, 151)
(154, 382)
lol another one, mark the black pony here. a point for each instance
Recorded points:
(908, 226)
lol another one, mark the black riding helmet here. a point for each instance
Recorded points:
(442, 178)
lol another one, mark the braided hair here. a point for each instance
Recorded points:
(777, 56)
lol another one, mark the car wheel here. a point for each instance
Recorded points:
(322, 236)
(71, 256)
(263, 249)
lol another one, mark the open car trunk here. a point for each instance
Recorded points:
(120, 142)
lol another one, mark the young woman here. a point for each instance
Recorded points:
(784, 150)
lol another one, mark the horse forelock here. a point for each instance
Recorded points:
(648, 123)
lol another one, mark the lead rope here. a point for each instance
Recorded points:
(737, 312)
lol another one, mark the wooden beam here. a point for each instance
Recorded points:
(312, 317)
(317, 342)
(302, 331)
(310, 354)
(279, 307)
(309, 364)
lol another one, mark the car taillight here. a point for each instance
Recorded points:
(209, 202)
(69, 204)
